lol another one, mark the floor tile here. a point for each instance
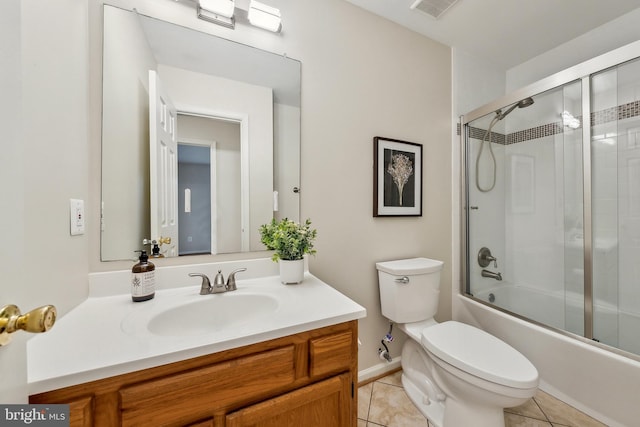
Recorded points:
(514, 420)
(384, 403)
(364, 399)
(559, 413)
(390, 406)
(392, 379)
(529, 409)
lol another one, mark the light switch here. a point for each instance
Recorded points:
(76, 216)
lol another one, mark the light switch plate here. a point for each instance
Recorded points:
(76, 216)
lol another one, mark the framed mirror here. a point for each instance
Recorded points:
(235, 125)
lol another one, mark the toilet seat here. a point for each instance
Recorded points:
(480, 354)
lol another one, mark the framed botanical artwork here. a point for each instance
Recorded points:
(397, 177)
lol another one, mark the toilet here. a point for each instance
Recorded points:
(456, 375)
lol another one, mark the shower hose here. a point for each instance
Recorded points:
(493, 157)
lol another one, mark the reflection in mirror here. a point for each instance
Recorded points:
(208, 218)
(237, 132)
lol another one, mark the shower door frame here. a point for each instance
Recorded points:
(583, 73)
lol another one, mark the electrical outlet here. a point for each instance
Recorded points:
(76, 216)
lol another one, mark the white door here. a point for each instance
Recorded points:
(13, 264)
(163, 151)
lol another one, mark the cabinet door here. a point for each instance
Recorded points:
(324, 404)
(81, 412)
(197, 394)
(331, 354)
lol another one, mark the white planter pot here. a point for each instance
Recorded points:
(291, 272)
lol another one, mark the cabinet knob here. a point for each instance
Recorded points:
(38, 320)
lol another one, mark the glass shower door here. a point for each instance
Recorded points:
(525, 205)
(615, 147)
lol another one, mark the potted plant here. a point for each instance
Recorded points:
(290, 241)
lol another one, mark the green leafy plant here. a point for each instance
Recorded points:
(289, 239)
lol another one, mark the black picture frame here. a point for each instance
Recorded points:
(397, 177)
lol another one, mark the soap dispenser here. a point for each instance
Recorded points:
(143, 280)
(155, 252)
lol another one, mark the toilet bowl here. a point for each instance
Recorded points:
(456, 375)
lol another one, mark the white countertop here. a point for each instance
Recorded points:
(106, 335)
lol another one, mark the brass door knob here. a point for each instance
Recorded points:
(164, 241)
(38, 320)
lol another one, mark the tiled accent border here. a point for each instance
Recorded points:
(621, 112)
(541, 131)
(477, 133)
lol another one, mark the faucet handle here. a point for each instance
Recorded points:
(485, 258)
(231, 280)
(205, 288)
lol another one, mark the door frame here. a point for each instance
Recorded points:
(243, 120)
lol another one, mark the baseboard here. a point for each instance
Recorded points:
(379, 370)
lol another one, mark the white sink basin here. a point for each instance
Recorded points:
(202, 314)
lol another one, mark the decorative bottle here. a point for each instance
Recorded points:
(143, 279)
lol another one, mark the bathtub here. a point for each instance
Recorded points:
(564, 311)
(586, 375)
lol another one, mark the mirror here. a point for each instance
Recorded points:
(237, 121)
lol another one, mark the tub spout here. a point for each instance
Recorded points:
(491, 274)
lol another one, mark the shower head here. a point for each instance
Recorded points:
(520, 104)
(525, 102)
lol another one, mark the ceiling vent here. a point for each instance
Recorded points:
(433, 8)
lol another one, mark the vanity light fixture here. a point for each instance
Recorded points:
(263, 16)
(217, 11)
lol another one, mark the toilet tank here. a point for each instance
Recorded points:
(409, 289)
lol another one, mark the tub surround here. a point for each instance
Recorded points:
(99, 338)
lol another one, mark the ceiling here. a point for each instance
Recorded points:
(505, 32)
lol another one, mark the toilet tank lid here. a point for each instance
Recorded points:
(408, 267)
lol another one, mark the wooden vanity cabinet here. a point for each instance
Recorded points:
(326, 403)
(303, 379)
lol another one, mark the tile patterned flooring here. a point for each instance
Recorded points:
(384, 403)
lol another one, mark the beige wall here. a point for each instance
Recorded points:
(44, 162)
(367, 77)
(362, 76)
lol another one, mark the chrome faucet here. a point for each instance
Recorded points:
(491, 274)
(218, 286)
